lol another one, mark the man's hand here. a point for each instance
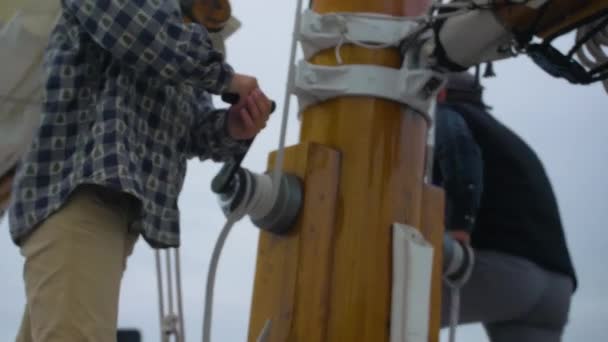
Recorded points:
(243, 86)
(245, 121)
(461, 235)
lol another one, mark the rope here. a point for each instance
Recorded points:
(178, 287)
(219, 244)
(455, 285)
(161, 300)
(454, 312)
(234, 216)
(256, 202)
(169, 285)
(170, 322)
(278, 167)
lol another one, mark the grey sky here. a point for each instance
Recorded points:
(565, 124)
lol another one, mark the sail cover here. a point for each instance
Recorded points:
(24, 30)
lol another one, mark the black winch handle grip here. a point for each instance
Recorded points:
(221, 182)
(232, 98)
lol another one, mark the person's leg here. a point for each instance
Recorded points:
(545, 322)
(25, 334)
(501, 287)
(73, 268)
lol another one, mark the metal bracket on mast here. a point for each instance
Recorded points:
(414, 87)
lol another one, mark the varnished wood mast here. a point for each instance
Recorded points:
(361, 161)
(335, 268)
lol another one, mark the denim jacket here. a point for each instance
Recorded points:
(458, 168)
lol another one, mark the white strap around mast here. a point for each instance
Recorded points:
(324, 31)
(414, 87)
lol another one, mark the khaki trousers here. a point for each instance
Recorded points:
(74, 263)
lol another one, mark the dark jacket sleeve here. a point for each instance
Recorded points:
(458, 169)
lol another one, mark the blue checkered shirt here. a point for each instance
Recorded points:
(126, 104)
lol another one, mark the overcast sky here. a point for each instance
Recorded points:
(566, 125)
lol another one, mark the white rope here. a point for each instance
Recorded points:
(161, 300)
(169, 285)
(171, 323)
(208, 313)
(256, 202)
(178, 287)
(592, 54)
(278, 167)
(455, 285)
(337, 50)
(232, 218)
(454, 312)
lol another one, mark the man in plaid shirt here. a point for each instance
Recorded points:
(126, 104)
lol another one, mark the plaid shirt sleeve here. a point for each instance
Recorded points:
(149, 36)
(209, 134)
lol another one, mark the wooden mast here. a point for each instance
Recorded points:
(381, 182)
(334, 270)
(361, 160)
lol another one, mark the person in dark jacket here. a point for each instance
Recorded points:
(500, 201)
